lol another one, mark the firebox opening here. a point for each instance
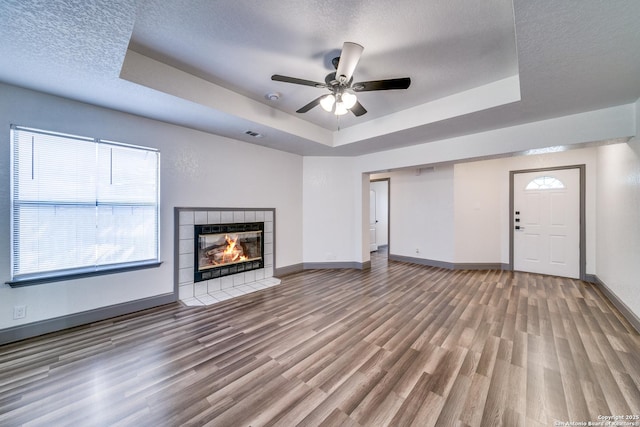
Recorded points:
(224, 249)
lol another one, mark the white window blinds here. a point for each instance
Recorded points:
(81, 205)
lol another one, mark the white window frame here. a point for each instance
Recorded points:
(98, 266)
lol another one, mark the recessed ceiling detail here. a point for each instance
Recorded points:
(474, 66)
(426, 43)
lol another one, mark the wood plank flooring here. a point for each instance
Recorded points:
(397, 345)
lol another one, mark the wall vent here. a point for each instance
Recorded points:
(254, 134)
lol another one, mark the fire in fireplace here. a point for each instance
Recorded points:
(224, 249)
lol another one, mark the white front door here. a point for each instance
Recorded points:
(546, 236)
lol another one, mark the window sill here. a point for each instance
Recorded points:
(38, 279)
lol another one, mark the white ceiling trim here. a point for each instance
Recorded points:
(487, 96)
(593, 127)
(145, 71)
(157, 75)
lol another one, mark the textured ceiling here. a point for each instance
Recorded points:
(445, 47)
(474, 65)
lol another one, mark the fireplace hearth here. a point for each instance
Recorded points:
(225, 249)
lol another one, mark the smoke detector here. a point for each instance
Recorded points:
(272, 96)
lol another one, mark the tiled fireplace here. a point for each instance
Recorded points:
(222, 253)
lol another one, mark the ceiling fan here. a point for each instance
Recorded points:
(342, 97)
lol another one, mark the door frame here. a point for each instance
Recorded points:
(373, 224)
(583, 227)
(388, 179)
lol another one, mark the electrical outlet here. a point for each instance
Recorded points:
(417, 250)
(19, 311)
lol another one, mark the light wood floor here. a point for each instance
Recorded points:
(397, 345)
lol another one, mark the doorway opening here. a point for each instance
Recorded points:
(379, 214)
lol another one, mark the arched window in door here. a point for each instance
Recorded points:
(545, 183)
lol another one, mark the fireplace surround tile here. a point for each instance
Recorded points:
(200, 288)
(220, 289)
(268, 260)
(186, 231)
(235, 292)
(186, 218)
(206, 299)
(185, 292)
(185, 275)
(238, 279)
(201, 217)
(213, 285)
(268, 226)
(220, 296)
(226, 217)
(185, 246)
(250, 276)
(226, 282)
(186, 258)
(213, 217)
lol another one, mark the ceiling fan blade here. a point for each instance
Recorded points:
(310, 105)
(349, 58)
(297, 81)
(358, 110)
(402, 83)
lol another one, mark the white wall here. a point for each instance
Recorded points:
(335, 222)
(618, 212)
(481, 191)
(197, 169)
(421, 223)
(330, 210)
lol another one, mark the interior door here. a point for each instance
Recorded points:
(546, 236)
(373, 244)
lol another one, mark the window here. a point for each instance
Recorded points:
(545, 183)
(80, 205)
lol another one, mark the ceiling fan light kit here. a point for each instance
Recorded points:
(340, 110)
(349, 99)
(327, 103)
(340, 103)
(342, 97)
